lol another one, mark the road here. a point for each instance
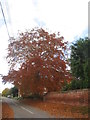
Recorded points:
(25, 111)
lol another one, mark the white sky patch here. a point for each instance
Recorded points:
(3, 86)
(3, 52)
(69, 17)
(22, 15)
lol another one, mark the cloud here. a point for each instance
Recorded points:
(3, 86)
(35, 3)
(3, 51)
(39, 23)
(68, 17)
(1, 22)
(22, 15)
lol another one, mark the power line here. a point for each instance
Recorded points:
(4, 20)
(9, 17)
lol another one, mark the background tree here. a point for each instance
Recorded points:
(42, 60)
(5, 92)
(14, 91)
(80, 62)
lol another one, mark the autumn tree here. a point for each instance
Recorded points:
(42, 61)
(5, 92)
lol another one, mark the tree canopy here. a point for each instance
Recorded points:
(42, 60)
(80, 61)
(5, 92)
(14, 91)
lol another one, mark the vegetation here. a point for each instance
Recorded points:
(42, 58)
(7, 112)
(12, 92)
(80, 65)
(5, 92)
(60, 110)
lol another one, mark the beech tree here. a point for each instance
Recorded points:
(42, 60)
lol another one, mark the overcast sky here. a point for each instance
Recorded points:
(69, 17)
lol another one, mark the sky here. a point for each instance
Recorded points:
(69, 17)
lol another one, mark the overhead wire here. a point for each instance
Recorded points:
(4, 20)
(9, 17)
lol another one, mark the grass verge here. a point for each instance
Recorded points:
(7, 111)
(58, 109)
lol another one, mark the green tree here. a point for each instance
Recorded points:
(80, 62)
(5, 92)
(14, 91)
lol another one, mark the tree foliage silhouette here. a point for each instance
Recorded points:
(80, 62)
(42, 58)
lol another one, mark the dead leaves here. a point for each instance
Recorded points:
(57, 109)
(7, 111)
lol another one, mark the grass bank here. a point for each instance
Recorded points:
(58, 109)
(7, 111)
